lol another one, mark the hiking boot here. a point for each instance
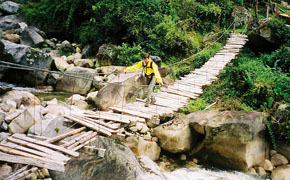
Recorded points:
(146, 104)
(153, 100)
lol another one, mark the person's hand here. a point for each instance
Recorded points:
(161, 84)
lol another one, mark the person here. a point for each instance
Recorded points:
(151, 73)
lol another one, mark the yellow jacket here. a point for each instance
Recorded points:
(147, 70)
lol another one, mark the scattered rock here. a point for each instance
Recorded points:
(182, 157)
(281, 172)
(12, 37)
(66, 46)
(77, 56)
(5, 170)
(92, 96)
(61, 64)
(78, 101)
(284, 150)
(107, 70)
(252, 171)
(152, 169)
(21, 97)
(10, 7)
(10, 22)
(278, 160)
(53, 78)
(22, 123)
(50, 44)
(87, 51)
(105, 55)
(12, 115)
(3, 137)
(267, 165)
(4, 89)
(30, 37)
(260, 171)
(98, 82)
(87, 63)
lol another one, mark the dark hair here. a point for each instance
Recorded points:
(145, 55)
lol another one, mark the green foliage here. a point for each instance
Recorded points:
(279, 60)
(280, 31)
(63, 53)
(271, 133)
(127, 55)
(194, 105)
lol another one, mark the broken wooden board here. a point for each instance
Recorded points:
(122, 118)
(57, 166)
(131, 112)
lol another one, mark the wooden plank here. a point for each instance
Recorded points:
(57, 166)
(109, 116)
(35, 152)
(94, 120)
(45, 144)
(131, 112)
(186, 89)
(162, 103)
(171, 96)
(37, 147)
(116, 116)
(93, 123)
(189, 95)
(154, 109)
(62, 136)
(83, 140)
(84, 144)
(76, 139)
(95, 127)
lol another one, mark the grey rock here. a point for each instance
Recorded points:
(31, 37)
(115, 93)
(87, 51)
(53, 78)
(97, 83)
(80, 84)
(10, 7)
(232, 139)
(26, 56)
(10, 22)
(50, 44)
(21, 98)
(50, 128)
(118, 163)
(106, 56)
(3, 137)
(4, 107)
(281, 173)
(21, 123)
(4, 126)
(66, 46)
(4, 89)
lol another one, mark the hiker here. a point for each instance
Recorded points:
(151, 71)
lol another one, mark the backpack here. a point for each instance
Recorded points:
(157, 61)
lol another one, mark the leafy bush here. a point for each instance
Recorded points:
(279, 60)
(127, 55)
(194, 105)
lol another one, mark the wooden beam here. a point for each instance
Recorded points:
(62, 136)
(57, 166)
(45, 144)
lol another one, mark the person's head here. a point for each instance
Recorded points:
(145, 57)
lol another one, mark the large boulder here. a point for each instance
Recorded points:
(66, 46)
(106, 55)
(30, 37)
(174, 136)
(29, 58)
(281, 173)
(262, 37)
(232, 139)
(20, 98)
(122, 89)
(76, 80)
(10, 7)
(22, 122)
(118, 163)
(51, 127)
(10, 22)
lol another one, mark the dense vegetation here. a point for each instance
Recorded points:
(175, 30)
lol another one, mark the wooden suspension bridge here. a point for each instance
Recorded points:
(40, 151)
